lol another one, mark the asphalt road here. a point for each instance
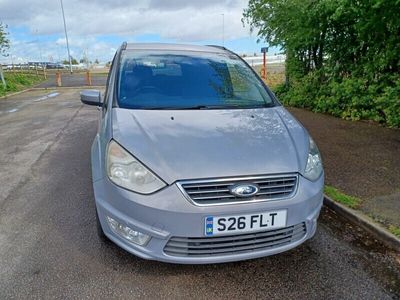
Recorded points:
(49, 247)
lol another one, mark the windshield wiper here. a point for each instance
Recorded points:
(217, 106)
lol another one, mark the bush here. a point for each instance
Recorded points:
(349, 98)
(342, 57)
(389, 103)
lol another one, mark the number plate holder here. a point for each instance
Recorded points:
(237, 224)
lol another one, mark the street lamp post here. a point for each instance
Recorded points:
(39, 47)
(223, 30)
(66, 37)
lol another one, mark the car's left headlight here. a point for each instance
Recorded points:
(314, 163)
(126, 171)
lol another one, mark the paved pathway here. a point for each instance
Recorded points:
(361, 159)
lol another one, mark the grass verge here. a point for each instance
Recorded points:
(354, 202)
(340, 197)
(395, 230)
(17, 82)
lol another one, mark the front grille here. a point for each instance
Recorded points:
(234, 244)
(216, 192)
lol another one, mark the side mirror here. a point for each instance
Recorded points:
(91, 97)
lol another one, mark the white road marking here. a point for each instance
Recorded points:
(13, 110)
(51, 95)
(40, 99)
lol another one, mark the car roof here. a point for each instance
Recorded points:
(176, 47)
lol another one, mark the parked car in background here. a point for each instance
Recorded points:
(195, 160)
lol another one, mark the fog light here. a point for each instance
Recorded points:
(128, 233)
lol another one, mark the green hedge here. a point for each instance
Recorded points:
(349, 98)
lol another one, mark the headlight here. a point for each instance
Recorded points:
(314, 164)
(124, 170)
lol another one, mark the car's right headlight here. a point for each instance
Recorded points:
(126, 171)
(314, 163)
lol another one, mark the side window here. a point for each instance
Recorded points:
(108, 90)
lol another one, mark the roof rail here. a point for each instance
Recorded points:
(217, 46)
(123, 46)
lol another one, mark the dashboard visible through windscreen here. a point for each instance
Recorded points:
(156, 79)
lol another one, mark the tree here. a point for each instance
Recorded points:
(342, 56)
(73, 61)
(84, 60)
(96, 61)
(4, 41)
(297, 26)
(347, 36)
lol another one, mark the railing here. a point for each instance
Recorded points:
(28, 70)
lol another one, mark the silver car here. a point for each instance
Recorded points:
(195, 161)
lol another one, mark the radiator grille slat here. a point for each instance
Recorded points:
(227, 238)
(229, 244)
(224, 245)
(217, 192)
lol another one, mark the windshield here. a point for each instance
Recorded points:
(187, 80)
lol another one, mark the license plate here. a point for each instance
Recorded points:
(221, 225)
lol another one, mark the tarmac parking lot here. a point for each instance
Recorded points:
(49, 247)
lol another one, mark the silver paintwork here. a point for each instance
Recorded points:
(230, 141)
(91, 97)
(199, 144)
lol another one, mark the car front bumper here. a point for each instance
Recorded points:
(168, 214)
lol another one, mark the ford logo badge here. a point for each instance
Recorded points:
(244, 189)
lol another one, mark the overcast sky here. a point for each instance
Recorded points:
(98, 27)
